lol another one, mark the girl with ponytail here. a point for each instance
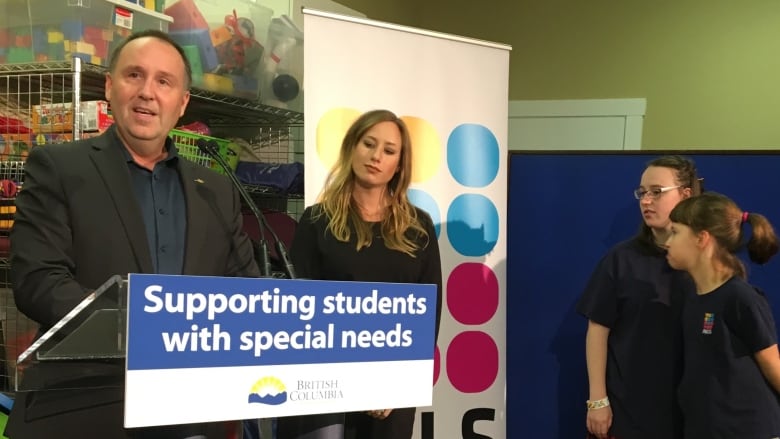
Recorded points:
(731, 379)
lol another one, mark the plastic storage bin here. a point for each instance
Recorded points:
(154, 5)
(58, 30)
(281, 82)
(223, 41)
(239, 48)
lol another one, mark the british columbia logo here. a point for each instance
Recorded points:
(269, 391)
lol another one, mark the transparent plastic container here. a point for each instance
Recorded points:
(58, 30)
(225, 41)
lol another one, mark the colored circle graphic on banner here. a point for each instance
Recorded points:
(426, 148)
(472, 293)
(436, 364)
(466, 374)
(426, 202)
(473, 155)
(330, 132)
(472, 225)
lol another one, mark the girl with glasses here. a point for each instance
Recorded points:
(632, 302)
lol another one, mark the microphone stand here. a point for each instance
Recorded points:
(211, 148)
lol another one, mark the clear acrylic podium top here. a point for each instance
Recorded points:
(93, 330)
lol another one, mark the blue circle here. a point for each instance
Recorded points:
(426, 202)
(472, 225)
(472, 155)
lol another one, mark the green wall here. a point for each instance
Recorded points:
(709, 69)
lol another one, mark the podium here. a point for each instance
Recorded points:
(191, 349)
(94, 330)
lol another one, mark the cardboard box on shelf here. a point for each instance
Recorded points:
(58, 118)
(41, 139)
(15, 146)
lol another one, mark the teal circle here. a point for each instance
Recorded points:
(473, 155)
(472, 225)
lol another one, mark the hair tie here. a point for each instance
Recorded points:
(745, 216)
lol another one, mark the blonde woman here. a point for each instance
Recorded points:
(363, 228)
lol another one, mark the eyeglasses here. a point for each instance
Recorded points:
(654, 193)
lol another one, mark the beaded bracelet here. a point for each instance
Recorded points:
(597, 404)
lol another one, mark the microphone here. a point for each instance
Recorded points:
(210, 148)
(262, 255)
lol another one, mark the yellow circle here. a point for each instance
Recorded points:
(332, 127)
(426, 148)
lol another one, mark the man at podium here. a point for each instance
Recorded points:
(122, 202)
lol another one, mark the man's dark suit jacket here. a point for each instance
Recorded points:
(78, 223)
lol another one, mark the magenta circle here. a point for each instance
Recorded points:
(472, 293)
(472, 361)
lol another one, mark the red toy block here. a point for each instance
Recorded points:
(23, 41)
(186, 16)
(101, 48)
(93, 35)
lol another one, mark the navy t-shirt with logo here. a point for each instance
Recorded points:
(723, 393)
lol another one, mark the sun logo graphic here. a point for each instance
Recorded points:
(269, 391)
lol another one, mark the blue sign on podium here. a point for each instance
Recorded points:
(220, 348)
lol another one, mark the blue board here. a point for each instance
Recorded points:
(565, 210)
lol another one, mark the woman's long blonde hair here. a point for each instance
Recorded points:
(400, 225)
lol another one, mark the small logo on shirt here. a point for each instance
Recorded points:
(709, 320)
